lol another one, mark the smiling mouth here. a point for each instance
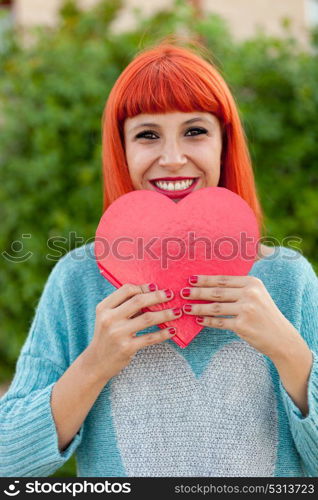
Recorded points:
(175, 190)
(178, 186)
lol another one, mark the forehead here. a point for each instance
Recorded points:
(176, 117)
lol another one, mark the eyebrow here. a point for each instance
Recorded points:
(192, 120)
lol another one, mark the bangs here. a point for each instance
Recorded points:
(163, 86)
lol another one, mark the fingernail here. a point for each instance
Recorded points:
(187, 308)
(168, 293)
(199, 319)
(186, 292)
(172, 330)
(176, 311)
(152, 287)
(193, 279)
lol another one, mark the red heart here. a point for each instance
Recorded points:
(145, 237)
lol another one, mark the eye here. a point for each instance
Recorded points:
(197, 129)
(145, 134)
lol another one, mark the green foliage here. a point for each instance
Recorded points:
(52, 94)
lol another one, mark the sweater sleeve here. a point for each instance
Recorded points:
(28, 435)
(305, 428)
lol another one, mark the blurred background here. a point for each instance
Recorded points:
(58, 62)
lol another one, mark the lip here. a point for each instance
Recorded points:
(177, 194)
(172, 179)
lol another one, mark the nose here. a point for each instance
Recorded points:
(172, 156)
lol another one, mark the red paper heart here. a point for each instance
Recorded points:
(145, 237)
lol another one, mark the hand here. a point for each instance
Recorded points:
(118, 318)
(256, 318)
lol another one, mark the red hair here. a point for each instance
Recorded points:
(170, 78)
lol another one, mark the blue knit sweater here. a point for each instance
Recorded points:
(215, 408)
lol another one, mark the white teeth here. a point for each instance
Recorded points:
(175, 185)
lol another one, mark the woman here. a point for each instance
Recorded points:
(242, 398)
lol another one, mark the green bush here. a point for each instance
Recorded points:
(52, 94)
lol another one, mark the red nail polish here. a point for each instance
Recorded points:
(176, 311)
(186, 292)
(172, 330)
(199, 319)
(187, 308)
(193, 279)
(152, 287)
(168, 293)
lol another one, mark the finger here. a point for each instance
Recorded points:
(221, 323)
(123, 293)
(153, 338)
(136, 315)
(215, 309)
(212, 293)
(219, 281)
(139, 301)
(150, 318)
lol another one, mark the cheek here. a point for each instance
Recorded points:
(209, 161)
(137, 162)
(209, 156)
